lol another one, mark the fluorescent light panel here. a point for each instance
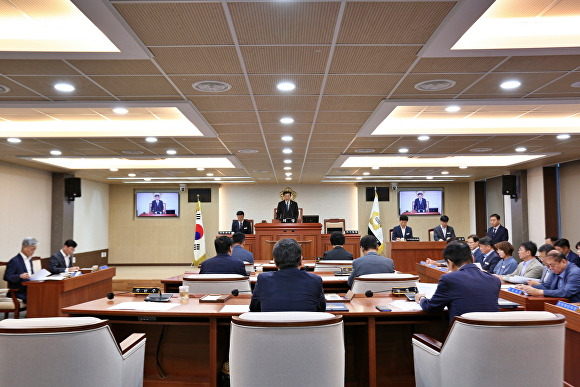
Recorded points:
(122, 163)
(434, 162)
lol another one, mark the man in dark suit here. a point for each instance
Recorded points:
(563, 245)
(420, 204)
(473, 243)
(497, 232)
(370, 262)
(63, 260)
(443, 232)
(490, 257)
(401, 231)
(157, 205)
(465, 289)
(289, 288)
(241, 225)
(19, 269)
(238, 250)
(223, 262)
(287, 210)
(338, 252)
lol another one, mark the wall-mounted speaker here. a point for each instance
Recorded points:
(509, 185)
(203, 193)
(72, 188)
(382, 193)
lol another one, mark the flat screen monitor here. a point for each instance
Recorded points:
(156, 203)
(310, 219)
(420, 201)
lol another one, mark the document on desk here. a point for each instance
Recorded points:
(235, 309)
(146, 306)
(41, 275)
(427, 289)
(406, 305)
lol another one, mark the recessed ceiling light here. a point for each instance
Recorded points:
(287, 161)
(286, 120)
(211, 86)
(248, 151)
(287, 168)
(288, 178)
(131, 175)
(171, 152)
(435, 85)
(132, 152)
(287, 138)
(364, 150)
(151, 139)
(120, 110)
(287, 151)
(575, 84)
(375, 167)
(14, 140)
(563, 136)
(64, 87)
(403, 150)
(429, 177)
(288, 173)
(286, 86)
(4, 89)
(113, 169)
(423, 138)
(55, 152)
(209, 174)
(463, 167)
(480, 150)
(217, 178)
(366, 173)
(445, 172)
(521, 149)
(510, 84)
(201, 169)
(452, 109)
(147, 179)
(359, 178)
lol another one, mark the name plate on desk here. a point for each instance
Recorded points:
(443, 269)
(565, 305)
(516, 291)
(423, 263)
(412, 239)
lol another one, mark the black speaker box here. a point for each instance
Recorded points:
(204, 195)
(382, 192)
(508, 185)
(72, 188)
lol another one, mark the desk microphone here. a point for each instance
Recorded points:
(112, 295)
(369, 293)
(235, 292)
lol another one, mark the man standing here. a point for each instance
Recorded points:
(490, 257)
(338, 252)
(497, 232)
(289, 288)
(530, 267)
(370, 262)
(238, 250)
(63, 260)
(19, 269)
(241, 225)
(443, 232)
(402, 232)
(563, 246)
(157, 205)
(223, 263)
(287, 210)
(465, 289)
(420, 204)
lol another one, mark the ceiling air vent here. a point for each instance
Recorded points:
(435, 85)
(211, 86)
(4, 89)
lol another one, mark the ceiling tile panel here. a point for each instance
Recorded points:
(286, 103)
(197, 60)
(222, 103)
(342, 103)
(285, 59)
(462, 82)
(269, 117)
(215, 118)
(360, 84)
(141, 85)
(185, 84)
(530, 81)
(305, 84)
(456, 65)
(116, 67)
(343, 117)
(35, 67)
(372, 59)
(45, 85)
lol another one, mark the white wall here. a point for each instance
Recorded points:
(91, 217)
(258, 202)
(536, 212)
(26, 211)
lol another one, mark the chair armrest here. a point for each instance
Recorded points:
(131, 341)
(428, 341)
(12, 294)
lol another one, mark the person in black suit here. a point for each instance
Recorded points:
(157, 205)
(223, 262)
(19, 269)
(420, 204)
(289, 288)
(402, 232)
(63, 260)
(497, 232)
(490, 257)
(473, 243)
(338, 252)
(241, 225)
(287, 210)
(443, 232)
(465, 289)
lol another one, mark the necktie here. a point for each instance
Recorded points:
(556, 282)
(493, 232)
(240, 226)
(287, 206)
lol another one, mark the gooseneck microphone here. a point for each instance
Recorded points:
(112, 295)
(369, 293)
(235, 292)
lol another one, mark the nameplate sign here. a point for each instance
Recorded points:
(443, 269)
(565, 305)
(103, 267)
(413, 239)
(423, 263)
(516, 291)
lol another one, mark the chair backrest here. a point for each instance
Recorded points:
(249, 220)
(216, 283)
(332, 265)
(431, 233)
(64, 351)
(331, 225)
(312, 345)
(382, 282)
(390, 234)
(3, 284)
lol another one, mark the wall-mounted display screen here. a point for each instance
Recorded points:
(420, 201)
(157, 204)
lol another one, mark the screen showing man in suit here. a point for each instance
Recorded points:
(287, 210)
(157, 205)
(420, 204)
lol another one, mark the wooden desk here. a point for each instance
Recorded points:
(429, 274)
(407, 254)
(572, 346)
(268, 232)
(529, 302)
(193, 339)
(47, 298)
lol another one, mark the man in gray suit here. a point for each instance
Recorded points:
(443, 232)
(370, 262)
(530, 267)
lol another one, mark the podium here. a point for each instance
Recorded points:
(407, 254)
(47, 298)
(308, 235)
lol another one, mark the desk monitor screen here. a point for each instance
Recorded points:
(147, 204)
(310, 219)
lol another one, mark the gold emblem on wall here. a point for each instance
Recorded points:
(293, 194)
